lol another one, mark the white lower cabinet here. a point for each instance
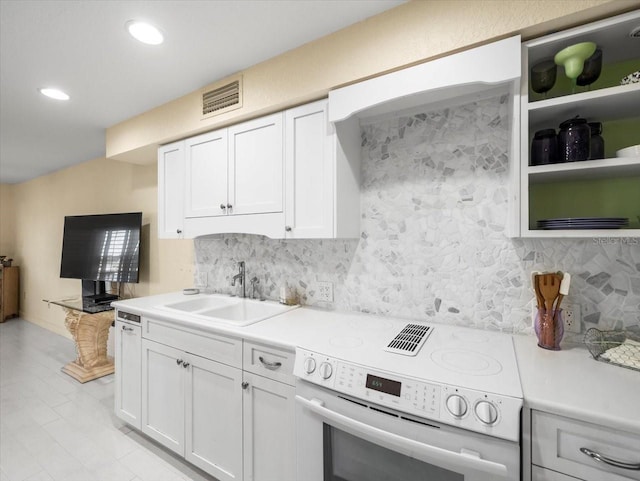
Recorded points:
(581, 450)
(541, 474)
(127, 372)
(163, 382)
(193, 406)
(232, 423)
(269, 429)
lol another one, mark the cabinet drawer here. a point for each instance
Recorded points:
(227, 350)
(557, 442)
(269, 362)
(541, 474)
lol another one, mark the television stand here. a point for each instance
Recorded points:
(90, 331)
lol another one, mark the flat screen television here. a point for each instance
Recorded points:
(99, 248)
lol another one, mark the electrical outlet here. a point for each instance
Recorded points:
(325, 291)
(201, 279)
(572, 317)
(571, 314)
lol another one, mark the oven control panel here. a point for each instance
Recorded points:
(466, 408)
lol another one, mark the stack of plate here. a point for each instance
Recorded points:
(584, 223)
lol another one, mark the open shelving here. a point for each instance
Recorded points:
(607, 187)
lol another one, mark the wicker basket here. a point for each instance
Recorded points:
(600, 342)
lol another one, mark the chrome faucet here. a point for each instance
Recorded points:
(240, 276)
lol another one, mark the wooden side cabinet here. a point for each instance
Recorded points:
(9, 292)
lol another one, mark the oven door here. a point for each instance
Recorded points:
(341, 438)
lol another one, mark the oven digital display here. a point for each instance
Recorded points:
(383, 385)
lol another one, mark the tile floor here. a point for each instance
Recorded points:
(53, 428)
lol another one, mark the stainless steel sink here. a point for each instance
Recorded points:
(229, 310)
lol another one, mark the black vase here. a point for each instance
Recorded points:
(592, 68)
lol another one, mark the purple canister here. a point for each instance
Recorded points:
(544, 147)
(573, 140)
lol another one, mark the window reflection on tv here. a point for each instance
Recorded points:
(102, 247)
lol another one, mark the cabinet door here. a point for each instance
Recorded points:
(163, 394)
(269, 430)
(128, 360)
(309, 172)
(214, 418)
(171, 190)
(206, 175)
(256, 160)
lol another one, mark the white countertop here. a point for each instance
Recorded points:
(567, 382)
(571, 383)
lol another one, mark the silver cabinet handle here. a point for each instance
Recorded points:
(178, 231)
(229, 206)
(270, 365)
(245, 385)
(185, 365)
(223, 207)
(609, 461)
(287, 228)
(125, 328)
(179, 361)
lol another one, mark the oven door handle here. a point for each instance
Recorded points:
(418, 450)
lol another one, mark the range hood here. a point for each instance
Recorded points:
(456, 76)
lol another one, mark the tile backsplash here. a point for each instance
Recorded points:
(433, 246)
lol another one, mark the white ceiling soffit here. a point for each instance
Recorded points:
(83, 48)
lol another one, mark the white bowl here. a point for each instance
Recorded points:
(633, 151)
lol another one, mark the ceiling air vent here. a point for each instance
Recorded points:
(409, 341)
(222, 99)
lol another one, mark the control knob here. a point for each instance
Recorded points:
(325, 370)
(486, 412)
(456, 405)
(309, 365)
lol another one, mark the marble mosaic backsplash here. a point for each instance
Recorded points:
(433, 246)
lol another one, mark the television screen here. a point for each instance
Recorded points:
(102, 247)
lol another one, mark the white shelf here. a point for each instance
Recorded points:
(619, 102)
(589, 169)
(587, 233)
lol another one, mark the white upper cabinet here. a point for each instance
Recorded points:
(234, 180)
(322, 183)
(206, 175)
(256, 166)
(171, 190)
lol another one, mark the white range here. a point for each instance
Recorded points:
(416, 390)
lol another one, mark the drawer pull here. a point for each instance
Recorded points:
(270, 365)
(609, 461)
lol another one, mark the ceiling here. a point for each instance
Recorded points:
(82, 47)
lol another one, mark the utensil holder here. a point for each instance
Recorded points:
(549, 328)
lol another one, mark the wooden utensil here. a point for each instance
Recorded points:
(549, 285)
(535, 279)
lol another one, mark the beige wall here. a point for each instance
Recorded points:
(7, 221)
(409, 34)
(95, 187)
(406, 35)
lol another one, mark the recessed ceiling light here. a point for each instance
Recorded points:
(145, 32)
(54, 93)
